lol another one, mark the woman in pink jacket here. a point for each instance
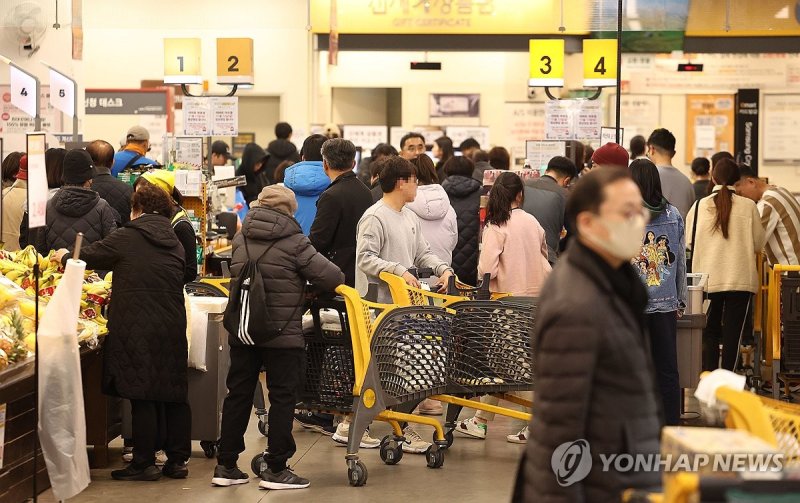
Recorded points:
(514, 253)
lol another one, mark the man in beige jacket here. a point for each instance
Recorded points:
(15, 202)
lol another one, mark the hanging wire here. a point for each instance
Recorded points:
(562, 28)
(727, 15)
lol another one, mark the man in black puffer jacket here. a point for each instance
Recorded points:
(116, 192)
(465, 198)
(285, 267)
(75, 208)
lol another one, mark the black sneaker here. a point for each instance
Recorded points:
(175, 470)
(224, 477)
(319, 423)
(130, 472)
(285, 479)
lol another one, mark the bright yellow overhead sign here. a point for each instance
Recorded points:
(182, 61)
(450, 17)
(547, 63)
(599, 62)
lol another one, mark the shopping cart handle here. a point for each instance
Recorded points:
(421, 272)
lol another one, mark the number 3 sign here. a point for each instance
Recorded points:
(546, 63)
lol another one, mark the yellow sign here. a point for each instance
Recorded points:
(450, 17)
(599, 63)
(182, 61)
(235, 61)
(547, 63)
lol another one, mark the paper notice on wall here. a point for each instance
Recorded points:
(365, 136)
(225, 116)
(196, 117)
(609, 135)
(189, 182)
(558, 121)
(588, 120)
(2, 432)
(189, 151)
(705, 136)
(460, 133)
(538, 153)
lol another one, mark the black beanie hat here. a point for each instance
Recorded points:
(78, 167)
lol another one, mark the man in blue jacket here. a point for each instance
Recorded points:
(134, 151)
(307, 179)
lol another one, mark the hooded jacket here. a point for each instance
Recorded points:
(278, 151)
(145, 351)
(285, 269)
(15, 199)
(437, 220)
(465, 198)
(116, 193)
(72, 210)
(307, 180)
(252, 155)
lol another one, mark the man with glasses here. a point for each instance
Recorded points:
(133, 153)
(411, 146)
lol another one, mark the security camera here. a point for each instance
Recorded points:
(531, 93)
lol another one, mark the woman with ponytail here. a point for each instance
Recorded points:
(514, 254)
(724, 234)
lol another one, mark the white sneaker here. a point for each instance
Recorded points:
(414, 443)
(161, 458)
(472, 428)
(343, 433)
(519, 438)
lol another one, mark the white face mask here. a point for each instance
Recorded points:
(624, 237)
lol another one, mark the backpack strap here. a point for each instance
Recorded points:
(694, 235)
(132, 161)
(247, 249)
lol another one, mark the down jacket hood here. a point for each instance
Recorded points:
(265, 224)
(251, 156)
(431, 203)
(306, 178)
(281, 148)
(155, 229)
(460, 186)
(74, 201)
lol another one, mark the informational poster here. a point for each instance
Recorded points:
(709, 124)
(37, 180)
(196, 116)
(460, 133)
(14, 120)
(225, 116)
(588, 120)
(455, 105)
(211, 116)
(189, 182)
(523, 121)
(430, 134)
(640, 114)
(573, 120)
(366, 137)
(538, 153)
(609, 135)
(189, 151)
(781, 127)
(558, 121)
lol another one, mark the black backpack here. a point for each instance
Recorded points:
(246, 317)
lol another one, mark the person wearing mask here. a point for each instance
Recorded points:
(468, 147)
(514, 254)
(307, 179)
(661, 264)
(610, 155)
(637, 147)
(54, 167)
(75, 208)
(546, 199)
(677, 188)
(220, 153)
(272, 238)
(481, 160)
(780, 216)
(727, 237)
(701, 169)
(15, 204)
(499, 158)
(10, 168)
(465, 198)
(116, 192)
(134, 152)
(579, 356)
(443, 151)
(412, 145)
(280, 149)
(437, 219)
(145, 351)
(253, 158)
(165, 180)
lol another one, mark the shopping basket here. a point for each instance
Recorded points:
(480, 292)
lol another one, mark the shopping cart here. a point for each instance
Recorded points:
(490, 353)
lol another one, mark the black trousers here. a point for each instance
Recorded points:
(726, 324)
(663, 329)
(160, 424)
(285, 369)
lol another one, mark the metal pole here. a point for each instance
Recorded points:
(619, 67)
(37, 119)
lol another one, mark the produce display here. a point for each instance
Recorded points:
(18, 308)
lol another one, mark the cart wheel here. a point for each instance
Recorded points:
(258, 464)
(263, 427)
(435, 457)
(209, 448)
(391, 452)
(448, 436)
(357, 474)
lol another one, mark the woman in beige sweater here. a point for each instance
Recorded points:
(728, 236)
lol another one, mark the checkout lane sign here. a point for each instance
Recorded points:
(546, 63)
(37, 180)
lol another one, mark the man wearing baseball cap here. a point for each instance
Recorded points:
(220, 153)
(133, 153)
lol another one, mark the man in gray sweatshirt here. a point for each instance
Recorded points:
(389, 237)
(677, 187)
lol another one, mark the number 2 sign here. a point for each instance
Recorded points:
(235, 61)
(599, 62)
(546, 63)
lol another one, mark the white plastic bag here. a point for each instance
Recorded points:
(201, 307)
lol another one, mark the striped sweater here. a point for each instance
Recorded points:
(780, 216)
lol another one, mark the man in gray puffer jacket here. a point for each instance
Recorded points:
(285, 268)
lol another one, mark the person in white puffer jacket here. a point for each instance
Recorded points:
(432, 206)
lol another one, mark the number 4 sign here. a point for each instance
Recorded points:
(599, 62)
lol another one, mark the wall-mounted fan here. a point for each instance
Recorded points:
(25, 26)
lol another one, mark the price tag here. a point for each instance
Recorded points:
(24, 91)
(62, 93)
(599, 63)
(235, 61)
(182, 61)
(546, 63)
